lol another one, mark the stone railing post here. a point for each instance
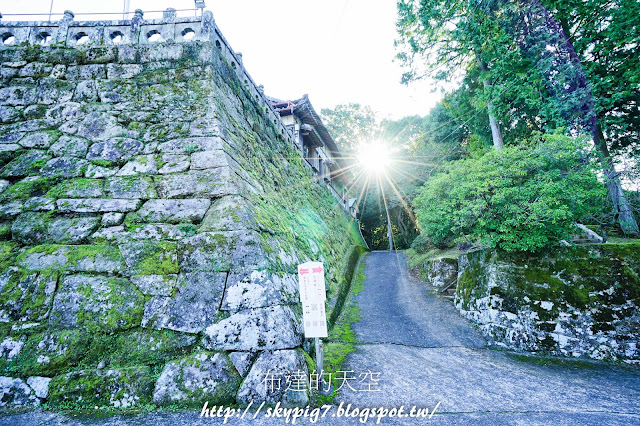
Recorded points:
(208, 24)
(63, 27)
(240, 63)
(169, 15)
(136, 22)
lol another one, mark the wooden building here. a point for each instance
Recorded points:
(317, 147)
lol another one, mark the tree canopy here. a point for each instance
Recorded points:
(523, 198)
(517, 62)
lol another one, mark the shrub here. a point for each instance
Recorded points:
(523, 198)
(422, 244)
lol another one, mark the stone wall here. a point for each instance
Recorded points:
(152, 214)
(578, 301)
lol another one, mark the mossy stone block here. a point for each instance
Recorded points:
(118, 388)
(96, 303)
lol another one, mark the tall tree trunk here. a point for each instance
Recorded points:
(623, 210)
(541, 25)
(496, 134)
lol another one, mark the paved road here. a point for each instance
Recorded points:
(427, 355)
(398, 310)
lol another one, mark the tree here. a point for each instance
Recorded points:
(448, 37)
(521, 42)
(608, 48)
(350, 125)
(353, 124)
(523, 198)
(539, 35)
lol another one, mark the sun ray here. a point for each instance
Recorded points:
(353, 183)
(386, 208)
(401, 198)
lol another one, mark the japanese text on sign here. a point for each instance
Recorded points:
(312, 296)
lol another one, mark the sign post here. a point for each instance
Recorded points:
(312, 297)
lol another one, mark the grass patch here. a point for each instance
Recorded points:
(416, 259)
(544, 361)
(342, 340)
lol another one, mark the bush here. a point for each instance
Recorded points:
(523, 198)
(422, 244)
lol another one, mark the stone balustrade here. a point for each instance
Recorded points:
(137, 31)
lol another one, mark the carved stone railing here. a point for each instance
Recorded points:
(140, 31)
(137, 31)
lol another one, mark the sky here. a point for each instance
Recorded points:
(336, 51)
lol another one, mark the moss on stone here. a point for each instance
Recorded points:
(151, 257)
(149, 347)
(469, 283)
(51, 352)
(81, 252)
(32, 227)
(77, 188)
(69, 257)
(27, 188)
(113, 304)
(188, 229)
(348, 281)
(5, 232)
(576, 297)
(84, 389)
(161, 259)
(27, 297)
(133, 221)
(341, 340)
(102, 163)
(8, 253)
(201, 377)
(295, 218)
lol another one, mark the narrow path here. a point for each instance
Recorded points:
(427, 354)
(397, 309)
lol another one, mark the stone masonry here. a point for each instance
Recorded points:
(580, 302)
(152, 214)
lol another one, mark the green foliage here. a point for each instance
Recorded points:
(524, 198)
(444, 40)
(600, 33)
(350, 125)
(533, 66)
(421, 244)
(342, 340)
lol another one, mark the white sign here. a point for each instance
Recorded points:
(315, 319)
(311, 279)
(312, 296)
